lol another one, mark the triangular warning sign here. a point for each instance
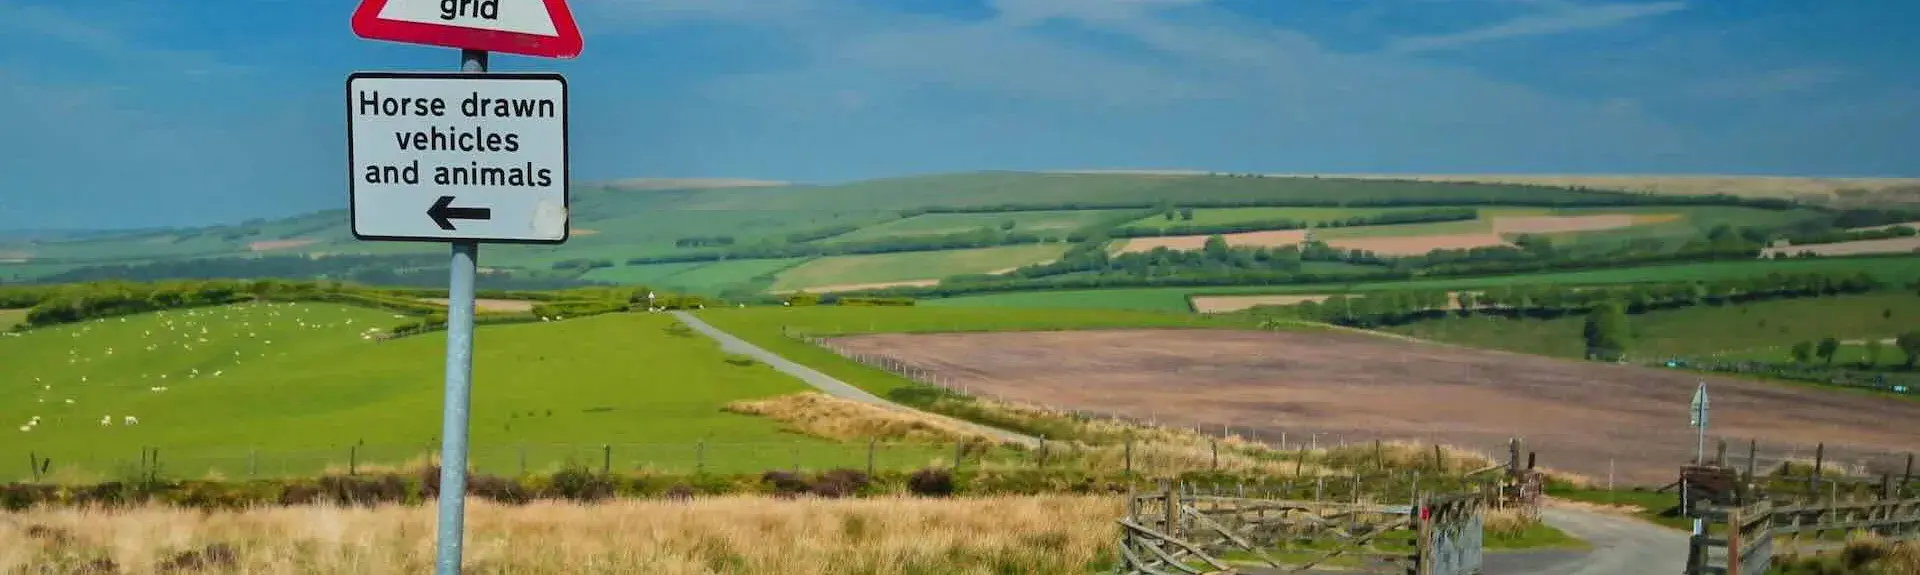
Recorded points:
(528, 27)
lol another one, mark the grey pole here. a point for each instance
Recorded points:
(453, 427)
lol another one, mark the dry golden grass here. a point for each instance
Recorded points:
(1865, 553)
(1046, 534)
(831, 417)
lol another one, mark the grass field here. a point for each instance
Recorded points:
(910, 266)
(763, 326)
(298, 383)
(642, 274)
(1698, 331)
(1891, 269)
(1058, 223)
(12, 317)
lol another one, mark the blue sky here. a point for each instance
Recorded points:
(178, 112)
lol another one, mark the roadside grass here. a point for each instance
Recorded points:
(734, 534)
(12, 317)
(1640, 503)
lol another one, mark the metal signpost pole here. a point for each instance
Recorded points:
(453, 430)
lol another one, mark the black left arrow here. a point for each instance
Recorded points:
(443, 213)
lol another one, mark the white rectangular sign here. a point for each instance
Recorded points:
(458, 156)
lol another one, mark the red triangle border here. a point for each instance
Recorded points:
(367, 24)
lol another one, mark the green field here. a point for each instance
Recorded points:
(911, 266)
(299, 384)
(1852, 353)
(1900, 270)
(1045, 223)
(763, 327)
(1699, 331)
(642, 274)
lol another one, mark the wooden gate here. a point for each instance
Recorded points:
(1171, 532)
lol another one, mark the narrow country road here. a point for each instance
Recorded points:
(823, 382)
(1621, 545)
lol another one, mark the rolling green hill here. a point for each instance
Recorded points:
(666, 228)
(300, 383)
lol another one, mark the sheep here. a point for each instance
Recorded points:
(26, 428)
(131, 420)
(106, 421)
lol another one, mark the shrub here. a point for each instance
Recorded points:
(576, 483)
(841, 483)
(931, 482)
(785, 483)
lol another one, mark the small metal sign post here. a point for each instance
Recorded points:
(464, 158)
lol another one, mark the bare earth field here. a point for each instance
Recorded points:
(1915, 225)
(1579, 416)
(1248, 239)
(1416, 245)
(1226, 303)
(1886, 246)
(1553, 224)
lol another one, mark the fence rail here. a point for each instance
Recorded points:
(1744, 527)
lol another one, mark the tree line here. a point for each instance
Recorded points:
(1400, 307)
(1583, 199)
(703, 241)
(1837, 236)
(389, 270)
(978, 238)
(1379, 219)
(69, 303)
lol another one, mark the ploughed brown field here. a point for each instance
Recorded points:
(1355, 386)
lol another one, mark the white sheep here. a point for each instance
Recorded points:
(106, 420)
(25, 428)
(131, 420)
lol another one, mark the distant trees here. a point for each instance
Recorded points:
(1802, 352)
(1607, 332)
(1909, 344)
(1186, 214)
(1547, 301)
(703, 241)
(1827, 348)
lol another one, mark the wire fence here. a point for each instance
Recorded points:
(505, 460)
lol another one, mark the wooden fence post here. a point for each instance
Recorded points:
(1819, 460)
(1300, 463)
(1439, 459)
(1735, 519)
(1379, 458)
(1720, 452)
(1129, 456)
(33, 465)
(1215, 445)
(1172, 499)
(1753, 449)
(1906, 478)
(606, 460)
(353, 459)
(871, 444)
(1043, 452)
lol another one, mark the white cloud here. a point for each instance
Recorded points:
(1766, 84)
(102, 40)
(1560, 18)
